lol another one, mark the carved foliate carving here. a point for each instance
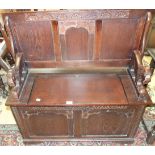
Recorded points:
(147, 75)
(68, 111)
(87, 112)
(79, 108)
(16, 75)
(76, 15)
(10, 38)
(11, 77)
(139, 75)
(28, 114)
(13, 81)
(64, 25)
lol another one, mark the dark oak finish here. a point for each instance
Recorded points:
(94, 32)
(78, 74)
(80, 89)
(110, 123)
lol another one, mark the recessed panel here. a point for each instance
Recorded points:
(118, 38)
(75, 44)
(35, 40)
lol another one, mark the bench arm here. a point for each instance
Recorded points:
(141, 75)
(17, 74)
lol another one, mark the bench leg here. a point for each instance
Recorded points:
(3, 91)
(151, 136)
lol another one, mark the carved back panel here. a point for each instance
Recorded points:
(77, 37)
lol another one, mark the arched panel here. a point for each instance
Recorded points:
(75, 44)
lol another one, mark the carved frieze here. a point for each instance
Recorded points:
(64, 25)
(77, 15)
(28, 114)
(87, 112)
(77, 108)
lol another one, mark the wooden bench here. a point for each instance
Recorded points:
(78, 74)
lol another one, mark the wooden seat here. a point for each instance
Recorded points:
(79, 88)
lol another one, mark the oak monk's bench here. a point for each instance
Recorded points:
(78, 74)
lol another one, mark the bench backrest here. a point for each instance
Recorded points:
(77, 38)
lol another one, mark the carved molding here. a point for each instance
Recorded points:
(147, 74)
(28, 114)
(88, 108)
(76, 15)
(146, 30)
(11, 43)
(64, 25)
(68, 111)
(127, 114)
(86, 114)
(11, 78)
(16, 75)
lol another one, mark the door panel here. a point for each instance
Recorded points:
(109, 122)
(46, 122)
